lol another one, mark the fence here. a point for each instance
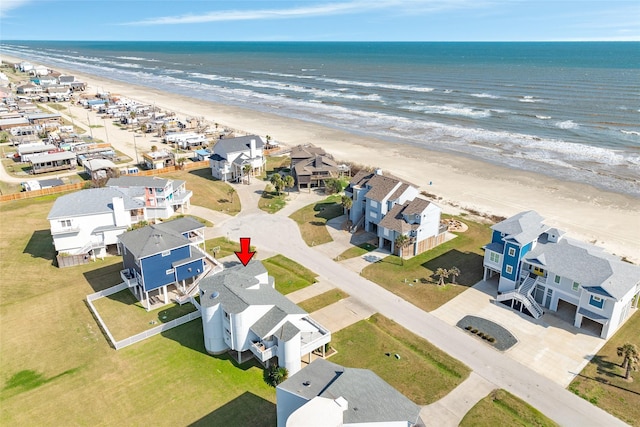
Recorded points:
(78, 185)
(142, 335)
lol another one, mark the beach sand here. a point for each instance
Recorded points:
(609, 220)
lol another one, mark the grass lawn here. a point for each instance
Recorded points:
(58, 368)
(271, 202)
(312, 220)
(227, 247)
(275, 164)
(208, 192)
(288, 274)
(602, 381)
(323, 300)
(125, 316)
(464, 252)
(355, 251)
(500, 408)
(423, 373)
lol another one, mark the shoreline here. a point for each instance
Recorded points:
(607, 219)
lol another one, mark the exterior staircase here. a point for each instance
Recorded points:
(357, 225)
(523, 295)
(193, 289)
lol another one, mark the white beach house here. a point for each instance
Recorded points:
(230, 156)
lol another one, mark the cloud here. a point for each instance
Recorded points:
(7, 5)
(326, 9)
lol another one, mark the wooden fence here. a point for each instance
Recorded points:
(78, 185)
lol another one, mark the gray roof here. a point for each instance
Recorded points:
(287, 332)
(266, 323)
(595, 270)
(89, 202)
(233, 145)
(315, 164)
(381, 187)
(370, 398)
(153, 239)
(138, 181)
(237, 288)
(524, 227)
(52, 157)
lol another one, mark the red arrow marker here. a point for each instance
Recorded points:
(245, 254)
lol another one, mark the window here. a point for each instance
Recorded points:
(373, 203)
(557, 279)
(65, 223)
(509, 269)
(373, 215)
(166, 253)
(169, 271)
(575, 286)
(494, 257)
(512, 251)
(596, 301)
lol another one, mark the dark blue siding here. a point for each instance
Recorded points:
(155, 267)
(197, 267)
(495, 237)
(513, 261)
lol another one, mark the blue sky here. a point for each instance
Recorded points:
(346, 20)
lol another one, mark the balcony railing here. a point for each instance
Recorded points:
(263, 353)
(65, 230)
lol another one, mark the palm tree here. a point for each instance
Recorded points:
(442, 274)
(230, 193)
(346, 203)
(289, 182)
(402, 241)
(276, 180)
(454, 272)
(631, 359)
(246, 169)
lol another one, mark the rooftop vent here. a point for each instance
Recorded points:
(306, 383)
(214, 295)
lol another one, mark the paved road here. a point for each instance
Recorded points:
(281, 235)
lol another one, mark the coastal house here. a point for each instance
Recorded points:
(312, 166)
(230, 156)
(540, 268)
(325, 394)
(88, 221)
(163, 258)
(100, 169)
(389, 206)
(158, 159)
(243, 314)
(50, 162)
(161, 197)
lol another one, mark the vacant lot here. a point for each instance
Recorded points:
(312, 220)
(602, 381)
(207, 191)
(414, 278)
(58, 368)
(500, 408)
(423, 373)
(288, 274)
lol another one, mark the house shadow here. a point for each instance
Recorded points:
(203, 173)
(245, 410)
(104, 277)
(469, 264)
(40, 245)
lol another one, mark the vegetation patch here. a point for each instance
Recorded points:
(416, 280)
(356, 251)
(602, 381)
(323, 300)
(276, 164)
(224, 246)
(501, 408)
(312, 220)
(271, 201)
(421, 371)
(288, 274)
(209, 192)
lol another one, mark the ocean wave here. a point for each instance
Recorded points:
(450, 109)
(485, 95)
(529, 99)
(630, 132)
(567, 124)
(136, 58)
(543, 117)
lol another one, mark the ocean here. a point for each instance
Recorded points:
(567, 110)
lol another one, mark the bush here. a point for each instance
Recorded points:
(468, 328)
(474, 331)
(491, 339)
(275, 375)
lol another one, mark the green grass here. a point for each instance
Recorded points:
(275, 164)
(423, 373)
(464, 252)
(271, 202)
(288, 274)
(209, 192)
(355, 251)
(227, 247)
(125, 316)
(500, 408)
(312, 220)
(602, 381)
(58, 368)
(322, 300)
(55, 106)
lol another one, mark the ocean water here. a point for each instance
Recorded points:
(568, 110)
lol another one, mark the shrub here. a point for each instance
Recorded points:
(275, 375)
(474, 331)
(491, 339)
(468, 328)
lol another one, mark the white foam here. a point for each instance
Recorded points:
(630, 132)
(543, 117)
(450, 109)
(485, 95)
(567, 124)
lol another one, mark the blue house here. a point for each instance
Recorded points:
(163, 260)
(541, 269)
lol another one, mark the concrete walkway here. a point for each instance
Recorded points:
(320, 287)
(449, 411)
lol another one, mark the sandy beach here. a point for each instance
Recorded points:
(607, 219)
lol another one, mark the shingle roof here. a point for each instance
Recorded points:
(138, 181)
(149, 240)
(395, 218)
(263, 326)
(232, 145)
(90, 202)
(524, 227)
(315, 164)
(370, 399)
(301, 152)
(381, 187)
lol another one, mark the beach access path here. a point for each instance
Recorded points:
(279, 234)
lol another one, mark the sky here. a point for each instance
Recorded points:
(337, 20)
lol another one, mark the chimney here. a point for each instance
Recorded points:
(252, 149)
(378, 171)
(119, 214)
